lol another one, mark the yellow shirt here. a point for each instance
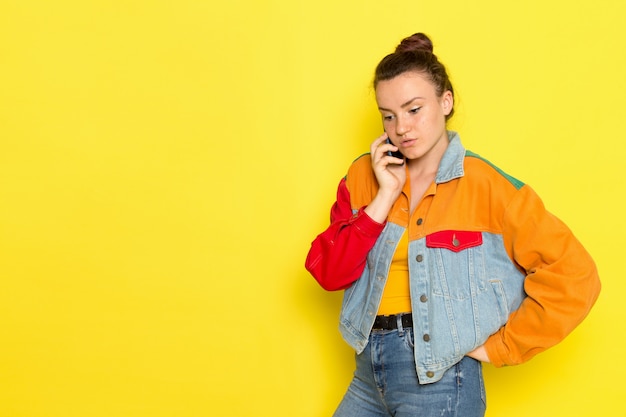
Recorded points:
(396, 296)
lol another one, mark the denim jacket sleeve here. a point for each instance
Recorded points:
(561, 282)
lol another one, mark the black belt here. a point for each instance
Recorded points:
(391, 322)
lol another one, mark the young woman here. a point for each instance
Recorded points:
(446, 261)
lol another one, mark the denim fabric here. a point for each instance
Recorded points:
(385, 383)
(458, 298)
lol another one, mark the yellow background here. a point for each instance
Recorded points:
(164, 166)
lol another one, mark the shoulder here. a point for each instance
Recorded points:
(360, 168)
(361, 181)
(478, 168)
(362, 160)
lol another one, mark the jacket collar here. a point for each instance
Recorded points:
(451, 165)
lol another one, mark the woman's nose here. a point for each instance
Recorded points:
(401, 126)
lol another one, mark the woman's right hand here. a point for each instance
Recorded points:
(391, 175)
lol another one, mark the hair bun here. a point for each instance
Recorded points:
(414, 43)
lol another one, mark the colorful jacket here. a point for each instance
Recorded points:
(488, 264)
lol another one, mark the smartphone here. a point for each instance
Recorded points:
(395, 154)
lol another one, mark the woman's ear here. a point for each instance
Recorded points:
(447, 102)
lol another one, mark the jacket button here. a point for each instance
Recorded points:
(420, 221)
(430, 374)
(426, 337)
(423, 298)
(419, 258)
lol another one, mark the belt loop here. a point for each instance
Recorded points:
(399, 323)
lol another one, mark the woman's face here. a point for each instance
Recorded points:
(414, 117)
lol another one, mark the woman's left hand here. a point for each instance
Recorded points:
(480, 354)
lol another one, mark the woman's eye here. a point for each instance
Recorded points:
(415, 110)
(387, 118)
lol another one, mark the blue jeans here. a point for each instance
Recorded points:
(385, 383)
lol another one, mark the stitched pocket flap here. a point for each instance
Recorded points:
(454, 240)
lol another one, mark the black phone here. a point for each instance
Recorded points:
(395, 154)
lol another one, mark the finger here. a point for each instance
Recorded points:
(379, 140)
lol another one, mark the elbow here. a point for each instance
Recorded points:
(595, 289)
(332, 285)
(325, 279)
(328, 286)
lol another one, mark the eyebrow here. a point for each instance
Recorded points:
(404, 104)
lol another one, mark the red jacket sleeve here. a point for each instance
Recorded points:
(337, 256)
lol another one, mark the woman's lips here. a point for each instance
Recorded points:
(407, 142)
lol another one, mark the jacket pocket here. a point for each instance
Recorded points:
(457, 264)
(454, 240)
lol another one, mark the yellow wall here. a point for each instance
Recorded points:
(164, 166)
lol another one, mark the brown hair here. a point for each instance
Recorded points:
(415, 53)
